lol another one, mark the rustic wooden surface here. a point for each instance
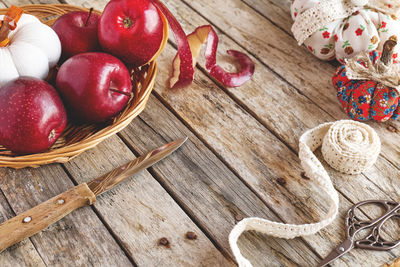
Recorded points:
(241, 141)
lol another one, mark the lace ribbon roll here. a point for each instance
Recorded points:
(351, 147)
(344, 142)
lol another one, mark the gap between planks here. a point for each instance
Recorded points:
(174, 196)
(332, 63)
(109, 229)
(255, 116)
(289, 147)
(117, 240)
(114, 236)
(248, 109)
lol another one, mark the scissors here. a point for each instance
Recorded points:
(373, 241)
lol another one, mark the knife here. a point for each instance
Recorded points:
(40, 217)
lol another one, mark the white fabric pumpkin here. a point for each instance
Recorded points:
(34, 48)
(343, 28)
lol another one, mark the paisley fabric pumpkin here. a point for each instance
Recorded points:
(366, 99)
(339, 29)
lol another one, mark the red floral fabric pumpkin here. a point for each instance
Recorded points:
(366, 99)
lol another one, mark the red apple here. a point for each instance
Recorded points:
(94, 86)
(77, 32)
(32, 115)
(133, 30)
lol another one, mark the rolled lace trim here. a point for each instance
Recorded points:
(345, 136)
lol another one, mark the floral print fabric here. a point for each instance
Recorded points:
(365, 100)
(365, 30)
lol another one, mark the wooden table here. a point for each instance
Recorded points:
(241, 142)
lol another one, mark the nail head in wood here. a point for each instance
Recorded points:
(238, 217)
(60, 201)
(191, 235)
(164, 242)
(281, 181)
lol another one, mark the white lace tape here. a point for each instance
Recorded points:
(345, 136)
(351, 147)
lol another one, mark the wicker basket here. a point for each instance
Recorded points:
(77, 139)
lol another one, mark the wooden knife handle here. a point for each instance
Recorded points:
(40, 217)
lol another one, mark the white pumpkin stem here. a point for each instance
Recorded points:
(4, 31)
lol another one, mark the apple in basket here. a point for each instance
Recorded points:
(32, 115)
(95, 86)
(77, 31)
(133, 30)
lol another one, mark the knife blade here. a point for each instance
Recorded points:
(40, 217)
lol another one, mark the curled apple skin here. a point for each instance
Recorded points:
(206, 34)
(238, 78)
(185, 68)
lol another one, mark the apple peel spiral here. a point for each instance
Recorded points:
(184, 63)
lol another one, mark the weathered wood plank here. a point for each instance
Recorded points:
(276, 125)
(210, 192)
(278, 11)
(83, 3)
(279, 51)
(211, 114)
(8, 3)
(78, 239)
(21, 254)
(140, 212)
(54, 246)
(293, 119)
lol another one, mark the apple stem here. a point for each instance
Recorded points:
(90, 14)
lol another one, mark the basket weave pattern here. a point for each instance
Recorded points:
(76, 139)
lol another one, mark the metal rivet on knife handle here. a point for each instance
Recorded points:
(27, 219)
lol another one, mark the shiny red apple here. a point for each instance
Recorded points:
(32, 115)
(95, 86)
(77, 31)
(133, 30)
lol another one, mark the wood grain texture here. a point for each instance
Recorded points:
(293, 119)
(21, 254)
(78, 239)
(277, 11)
(241, 141)
(38, 218)
(209, 191)
(140, 212)
(279, 124)
(259, 163)
(291, 62)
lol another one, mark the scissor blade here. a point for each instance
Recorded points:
(116, 176)
(343, 248)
